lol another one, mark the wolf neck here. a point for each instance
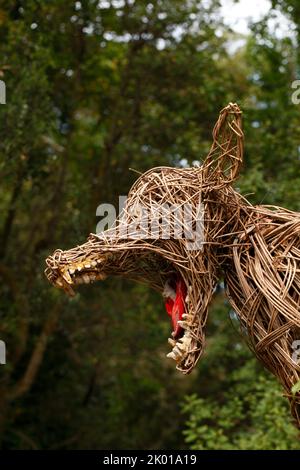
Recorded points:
(226, 213)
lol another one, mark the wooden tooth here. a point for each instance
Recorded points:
(185, 341)
(177, 351)
(67, 277)
(171, 355)
(183, 324)
(70, 291)
(179, 347)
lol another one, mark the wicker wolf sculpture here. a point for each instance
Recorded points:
(256, 249)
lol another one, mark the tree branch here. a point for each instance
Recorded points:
(37, 355)
(22, 310)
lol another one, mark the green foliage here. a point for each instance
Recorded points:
(250, 415)
(296, 388)
(243, 407)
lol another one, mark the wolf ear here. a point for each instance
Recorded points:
(223, 163)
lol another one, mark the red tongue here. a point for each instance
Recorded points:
(175, 308)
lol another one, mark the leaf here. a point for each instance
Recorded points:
(296, 388)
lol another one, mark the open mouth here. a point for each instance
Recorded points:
(176, 301)
(69, 269)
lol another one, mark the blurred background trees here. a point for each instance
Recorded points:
(95, 88)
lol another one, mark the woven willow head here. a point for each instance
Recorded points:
(184, 228)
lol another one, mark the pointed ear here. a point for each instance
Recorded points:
(224, 161)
